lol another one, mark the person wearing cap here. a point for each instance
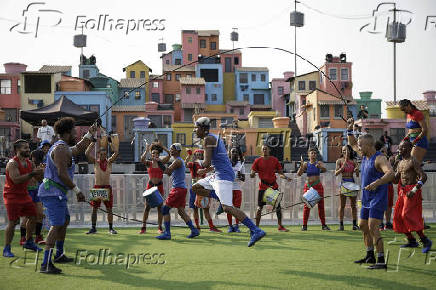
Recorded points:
(195, 167)
(45, 132)
(216, 157)
(177, 195)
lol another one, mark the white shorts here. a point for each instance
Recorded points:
(223, 188)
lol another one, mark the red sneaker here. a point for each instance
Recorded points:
(214, 229)
(22, 241)
(39, 240)
(142, 231)
(283, 229)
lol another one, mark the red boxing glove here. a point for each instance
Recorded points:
(189, 152)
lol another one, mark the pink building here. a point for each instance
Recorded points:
(230, 59)
(161, 115)
(192, 97)
(241, 108)
(10, 101)
(280, 90)
(190, 46)
(339, 72)
(156, 89)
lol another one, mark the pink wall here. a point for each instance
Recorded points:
(236, 110)
(158, 90)
(12, 100)
(327, 86)
(166, 57)
(14, 68)
(278, 102)
(229, 54)
(190, 48)
(191, 98)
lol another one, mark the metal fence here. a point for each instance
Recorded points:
(128, 200)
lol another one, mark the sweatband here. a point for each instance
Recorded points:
(76, 190)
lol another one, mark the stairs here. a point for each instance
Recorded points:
(127, 154)
(299, 144)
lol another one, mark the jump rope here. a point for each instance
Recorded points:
(126, 94)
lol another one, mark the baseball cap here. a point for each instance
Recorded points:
(203, 122)
(45, 142)
(177, 146)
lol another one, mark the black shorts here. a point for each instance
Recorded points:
(260, 201)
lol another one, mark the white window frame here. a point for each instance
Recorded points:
(4, 89)
(155, 85)
(348, 76)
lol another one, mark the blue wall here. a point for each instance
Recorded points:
(253, 87)
(177, 54)
(132, 101)
(93, 70)
(88, 98)
(150, 134)
(212, 87)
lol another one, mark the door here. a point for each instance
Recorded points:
(334, 146)
(228, 64)
(128, 127)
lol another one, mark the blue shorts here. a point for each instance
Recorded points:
(34, 195)
(371, 212)
(192, 197)
(423, 142)
(57, 209)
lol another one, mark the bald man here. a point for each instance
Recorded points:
(376, 173)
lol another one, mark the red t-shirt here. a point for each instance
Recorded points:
(154, 172)
(193, 169)
(17, 193)
(266, 168)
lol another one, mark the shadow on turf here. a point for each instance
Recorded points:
(365, 282)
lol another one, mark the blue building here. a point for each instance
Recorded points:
(97, 101)
(135, 97)
(212, 73)
(252, 85)
(107, 84)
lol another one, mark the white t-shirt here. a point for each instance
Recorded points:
(238, 167)
(45, 133)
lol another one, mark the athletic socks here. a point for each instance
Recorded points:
(38, 228)
(210, 222)
(197, 223)
(381, 258)
(110, 226)
(23, 231)
(354, 223)
(249, 224)
(59, 248)
(229, 219)
(341, 223)
(168, 227)
(410, 237)
(93, 226)
(191, 226)
(47, 256)
(421, 234)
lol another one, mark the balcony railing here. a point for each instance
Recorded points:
(165, 107)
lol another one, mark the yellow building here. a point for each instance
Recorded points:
(37, 90)
(261, 119)
(139, 70)
(303, 84)
(228, 87)
(216, 108)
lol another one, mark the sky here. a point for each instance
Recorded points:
(331, 26)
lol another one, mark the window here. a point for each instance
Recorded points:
(227, 121)
(246, 97)
(280, 90)
(212, 45)
(187, 116)
(18, 86)
(259, 99)
(324, 111)
(232, 111)
(344, 74)
(86, 73)
(312, 85)
(202, 43)
(167, 61)
(155, 97)
(132, 74)
(5, 87)
(213, 123)
(189, 39)
(177, 77)
(339, 110)
(253, 77)
(156, 120)
(189, 75)
(155, 85)
(262, 77)
(37, 84)
(197, 90)
(167, 121)
(168, 76)
(188, 90)
(333, 74)
(214, 98)
(209, 75)
(177, 61)
(169, 99)
(137, 95)
(243, 78)
(301, 85)
(114, 123)
(236, 60)
(397, 135)
(181, 138)
(10, 115)
(142, 74)
(321, 76)
(241, 111)
(190, 56)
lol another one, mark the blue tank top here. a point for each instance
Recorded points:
(178, 176)
(51, 172)
(221, 161)
(312, 170)
(373, 199)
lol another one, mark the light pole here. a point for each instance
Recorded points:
(296, 20)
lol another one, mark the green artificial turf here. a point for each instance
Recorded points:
(313, 259)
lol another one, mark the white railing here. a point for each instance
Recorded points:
(128, 201)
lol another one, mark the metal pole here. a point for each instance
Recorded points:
(395, 61)
(295, 60)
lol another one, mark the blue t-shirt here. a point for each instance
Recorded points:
(221, 161)
(178, 176)
(373, 199)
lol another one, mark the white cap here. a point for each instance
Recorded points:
(177, 146)
(203, 122)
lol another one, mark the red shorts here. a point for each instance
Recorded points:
(390, 195)
(16, 210)
(107, 203)
(237, 198)
(159, 187)
(177, 197)
(408, 211)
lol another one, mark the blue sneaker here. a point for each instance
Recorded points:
(219, 210)
(231, 229)
(164, 236)
(194, 233)
(256, 236)
(426, 245)
(7, 252)
(236, 229)
(30, 245)
(410, 244)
